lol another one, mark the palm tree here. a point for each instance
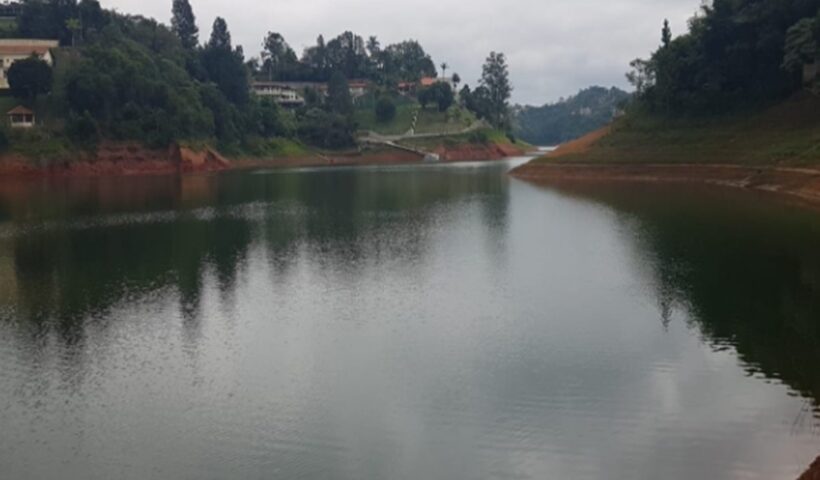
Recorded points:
(74, 25)
(444, 68)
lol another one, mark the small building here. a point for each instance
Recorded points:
(358, 88)
(13, 49)
(406, 88)
(283, 94)
(21, 117)
(291, 94)
(430, 81)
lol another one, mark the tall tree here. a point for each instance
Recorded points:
(92, 16)
(495, 77)
(220, 36)
(277, 55)
(315, 58)
(444, 68)
(75, 27)
(666, 34)
(801, 45)
(225, 65)
(183, 24)
(338, 95)
(373, 47)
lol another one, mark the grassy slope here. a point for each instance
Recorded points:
(366, 119)
(430, 120)
(479, 136)
(786, 134)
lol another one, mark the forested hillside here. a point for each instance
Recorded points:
(737, 53)
(570, 118)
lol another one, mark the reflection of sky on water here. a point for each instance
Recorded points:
(399, 323)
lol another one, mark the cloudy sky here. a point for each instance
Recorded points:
(554, 47)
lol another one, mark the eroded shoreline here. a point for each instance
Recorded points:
(802, 184)
(117, 160)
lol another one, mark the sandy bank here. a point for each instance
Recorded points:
(796, 183)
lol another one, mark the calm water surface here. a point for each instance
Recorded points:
(427, 322)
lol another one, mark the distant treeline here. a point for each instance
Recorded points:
(570, 118)
(737, 52)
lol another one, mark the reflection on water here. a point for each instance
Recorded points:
(404, 322)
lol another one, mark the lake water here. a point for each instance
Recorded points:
(420, 322)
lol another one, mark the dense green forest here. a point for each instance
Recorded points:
(570, 118)
(736, 53)
(127, 77)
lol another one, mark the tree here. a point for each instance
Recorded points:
(801, 45)
(30, 77)
(456, 81)
(373, 47)
(479, 102)
(666, 34)
(220, 36)
(183, 24)
(338, 95)
(92, 17)
(315, 58)
(495, 77)
(75, 27)
(642, 75)
(444, 68)
(225, 65)
(277, 55)
(326, 130)
(385, 110)
(440, 94)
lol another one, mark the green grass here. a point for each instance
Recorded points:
(453, 120)
(41, 147)
(786, 134)
(366, 119)
(482, 136)
(271, 148)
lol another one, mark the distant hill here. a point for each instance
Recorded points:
(551, 124)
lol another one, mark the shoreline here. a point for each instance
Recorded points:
(128, 159)
(800, 184)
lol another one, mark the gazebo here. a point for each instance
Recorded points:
(21, 117)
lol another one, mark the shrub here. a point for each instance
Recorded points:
(83, 129)
(385, 110)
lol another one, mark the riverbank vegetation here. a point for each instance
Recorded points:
(739, 87)
(128, 78)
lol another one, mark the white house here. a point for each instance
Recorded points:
(21, 117)
(290, 94)
(281, 93)
(13, 49)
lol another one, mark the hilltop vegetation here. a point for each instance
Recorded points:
(570, 118)
(130, 78)
(737, 53)
(739, 87)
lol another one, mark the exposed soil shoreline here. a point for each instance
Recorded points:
(801, 184)
(813, 473)
(124, 159)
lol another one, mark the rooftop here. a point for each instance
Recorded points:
(20, 110)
